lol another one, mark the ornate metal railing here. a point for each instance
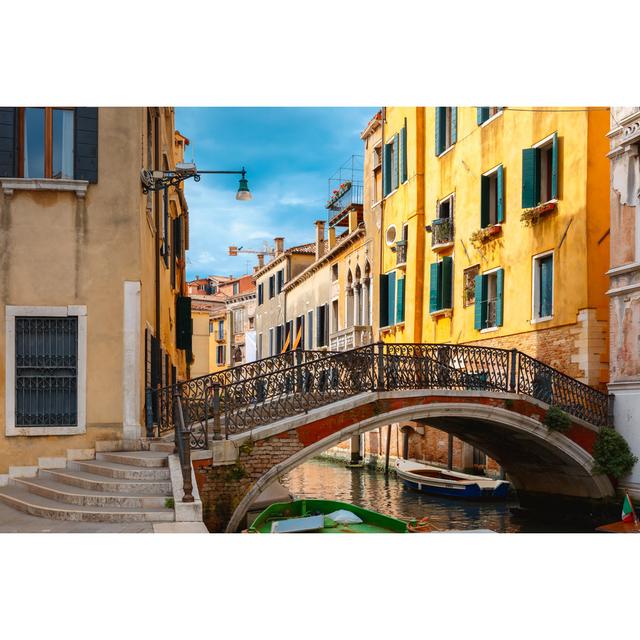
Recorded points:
(200, 397)
(275, 388)
(441, 231)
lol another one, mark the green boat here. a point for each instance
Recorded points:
(324, 516)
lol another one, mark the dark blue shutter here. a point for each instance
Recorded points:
(434, 287)
(391, 290)
(499, 296)
(500, 194)
(447, 282)
(454, 124)
(400, 301)
(85, 157)
(480, 310)
(554, 168)
(482, 114)
(530, 177)
(8, 142)
(394, 163)
(485, 183)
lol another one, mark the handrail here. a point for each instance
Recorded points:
(284, 386)
(183, 445)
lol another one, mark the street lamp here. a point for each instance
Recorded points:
(156, 180)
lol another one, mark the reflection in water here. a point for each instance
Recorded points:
(321, 478)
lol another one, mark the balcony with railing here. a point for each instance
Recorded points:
(401, 253)
(441, 233)
(350, 338)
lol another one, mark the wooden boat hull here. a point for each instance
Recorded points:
(373, 522)
(449, 484)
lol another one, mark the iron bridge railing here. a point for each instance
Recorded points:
(240, 399)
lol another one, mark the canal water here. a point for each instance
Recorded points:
(322, 478)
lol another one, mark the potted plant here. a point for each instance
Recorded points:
(479, 237)
(533, 215)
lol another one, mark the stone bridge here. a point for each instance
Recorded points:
(256, 423)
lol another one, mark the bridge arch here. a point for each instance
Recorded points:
(538, 461)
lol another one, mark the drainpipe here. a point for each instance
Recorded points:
(380, 251)
(156, 206)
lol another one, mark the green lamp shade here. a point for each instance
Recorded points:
(243, 190)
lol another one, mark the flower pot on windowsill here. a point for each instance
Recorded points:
(532, 216)
(481, 236)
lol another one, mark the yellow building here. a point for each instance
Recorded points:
(210, 339)
(92, 277)
(503, 212)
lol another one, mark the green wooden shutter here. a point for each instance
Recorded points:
(391, 285)
(480, 310)
(530, 177)
(85, 140)
(482, 114)
(500, 186)
(439, 136)
(395, 164)
(400, 301)
(435, 287)
(454, 124)
(499, 296)
(554, 168)
(447, 282)
(546, 286)
(384, 300)
(485, 182)
(403, 153)
(386, 169)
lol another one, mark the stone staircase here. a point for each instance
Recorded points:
(117, 486)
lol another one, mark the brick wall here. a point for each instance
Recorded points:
(222, 487)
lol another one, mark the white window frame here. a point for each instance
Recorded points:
(497, 114)
(488, 273)
(11, 312)
(391, 140)
(535, 288)
(489, 174)
(541, 145)
(451, 198)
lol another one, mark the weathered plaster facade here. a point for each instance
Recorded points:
(91, 247)
(624, 274)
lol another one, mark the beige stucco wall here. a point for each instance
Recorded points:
(57, 249)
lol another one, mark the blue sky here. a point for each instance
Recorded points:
(289, 154)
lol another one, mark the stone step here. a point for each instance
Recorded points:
(146, 459)
(95, 482)
(119, 471)
(64, 493)
(167, 447)
(19, 498)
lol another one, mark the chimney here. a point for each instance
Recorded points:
(279, 242)
(260, 260)
(332, 237)
(319, 239)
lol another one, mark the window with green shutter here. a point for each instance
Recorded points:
(441, 285)
(391, 296)
(492, 197)
(540, 171)
(446, 128)
(395, 162)
(403, 153)
(489, 300)
(484, 113)
(386, 169)
(543, 286)
(384, 300)
(400, 300)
